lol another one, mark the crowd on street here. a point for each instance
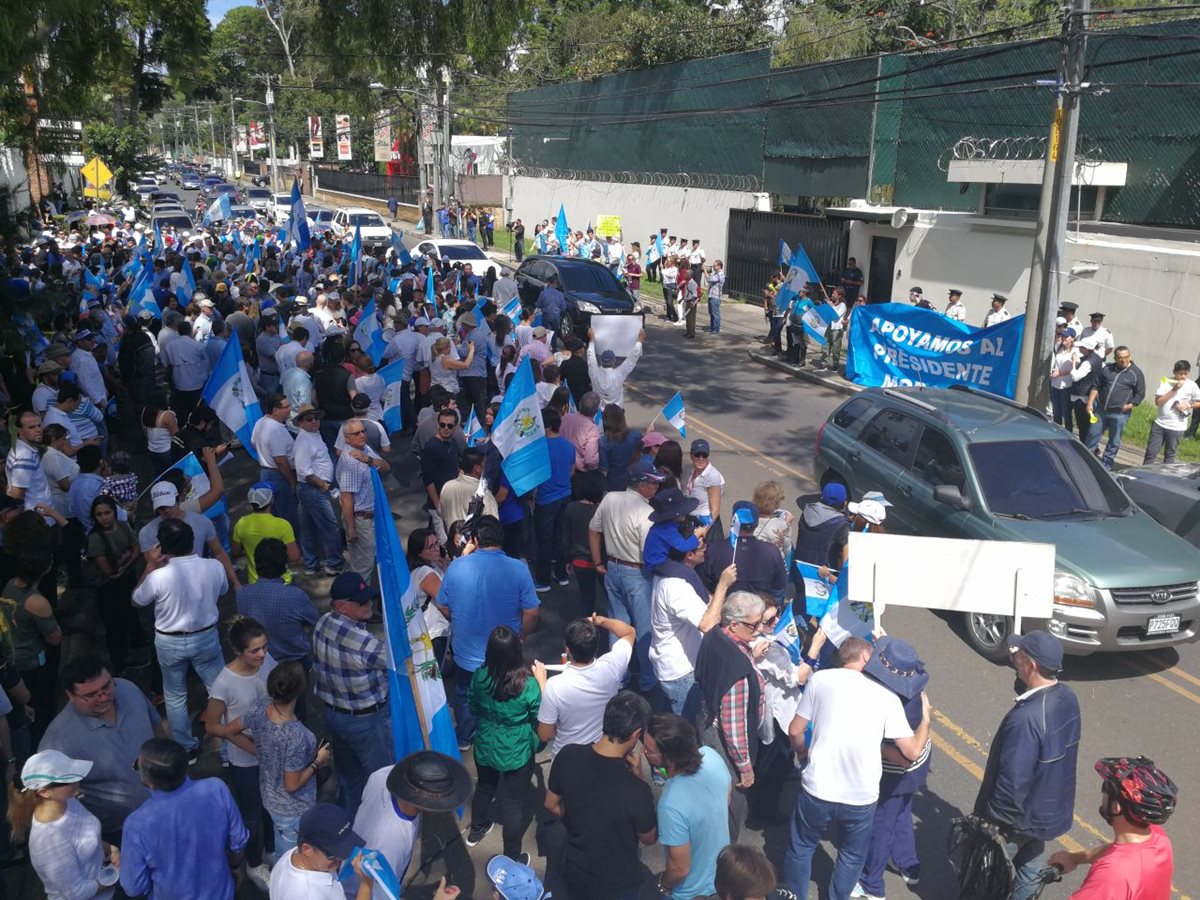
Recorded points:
(148, 629)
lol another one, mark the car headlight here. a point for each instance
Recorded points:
(584, 306)
(1070, 590)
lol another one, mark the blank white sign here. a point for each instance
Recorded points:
(616, 333)
(959, 575)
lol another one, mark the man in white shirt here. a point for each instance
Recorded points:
(306, 320)
(608, 379)
(203, 326)
(456, 495)
(832, 356)
(955, 309)
(297, 385)
(850, 715)
(389, 817)
(164, 497)
(998, 313)
(1176, 401)
(320, 537)
(23, 470)
(86, 369)
(572, 708)
(274, 443)
(184, 589)
(695, 260)
(309, 870)
(285, 356)
(504, 290)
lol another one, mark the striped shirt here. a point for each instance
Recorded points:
(349, 664)
(354, 477)
(23, 469)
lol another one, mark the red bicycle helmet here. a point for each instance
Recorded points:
(1146, 794)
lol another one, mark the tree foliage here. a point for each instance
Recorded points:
(125, 149)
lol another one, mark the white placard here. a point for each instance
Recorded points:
(999, 578)
(616, 333)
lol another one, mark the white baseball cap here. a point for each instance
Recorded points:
(53, 767)
(163, 494)
(871, 510)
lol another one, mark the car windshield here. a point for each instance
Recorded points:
(1049, 479)
(285, 199)
(461, 252)
(321, 215)
(258, 193)
(173, 221)
(370, 220)
(223, 189)
(588, 279)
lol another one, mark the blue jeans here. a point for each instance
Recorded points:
(284, 503)
(629, 600)
(714, 315)
(810, 821)
(464, 719)
(893, 839)
(243, 783)
(175, 653)
(551, 549)
(1026, 855)
(361, 745)
(1060, 406)
(683, 696)
(1114, 423)
(320, 537)
(287, 829)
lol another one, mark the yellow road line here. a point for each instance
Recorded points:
(1155, 676)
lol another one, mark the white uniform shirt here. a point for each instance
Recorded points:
(956, 311)
(996, 316)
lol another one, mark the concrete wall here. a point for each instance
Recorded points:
(14, 180)
(1146, 288)
(644, 209)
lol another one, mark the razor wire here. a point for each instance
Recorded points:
(1021, 148)
(708, 181)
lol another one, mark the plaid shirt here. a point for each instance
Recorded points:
(349, 664)
(354, 477)
(732, 718)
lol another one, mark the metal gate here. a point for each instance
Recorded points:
(753, 247)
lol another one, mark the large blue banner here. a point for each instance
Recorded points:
(894, 344)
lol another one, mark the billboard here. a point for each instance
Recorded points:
(343, 136)
(257, 141)
(241, 143)
(383, 137)
(316, 138)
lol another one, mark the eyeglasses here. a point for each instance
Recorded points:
(445, 424)
(699, 456)
(354, 433)
(91, 696)
(753, 626)
(309, 419)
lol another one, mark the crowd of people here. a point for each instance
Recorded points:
(697, 680)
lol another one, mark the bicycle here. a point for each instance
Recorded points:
(1046, 876)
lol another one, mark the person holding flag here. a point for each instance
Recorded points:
(297, 221)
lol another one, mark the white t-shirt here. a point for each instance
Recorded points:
(239, 693)
(290, 883)
(435, 622)
(850, 715)
(574, 700)
(271, 439)
(698, 485)
(384, 829)
(675, 637)
(1170, 416)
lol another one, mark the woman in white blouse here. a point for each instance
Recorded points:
(64, 838)
(705, 483)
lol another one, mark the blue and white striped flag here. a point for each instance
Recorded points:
(787, 634)
(375, 864)
(199, 483)
(819, 595)
(519, 434)
(219, 210)
(512, 309)
(399, 251)
(297, 223)
(475, 430)
(369, 333)
(740, 518)
(814, 325)
(230, 393)
(785, 252)
(416, 695)
(800, 272)
(673, 412)
(393, 377)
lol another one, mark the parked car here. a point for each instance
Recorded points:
(180, 221)
(190, 181)
(590, 288)
(464, 252)
(375, 232)
(281, 206)
(1170, 492)
(260, 198)
(962, 463)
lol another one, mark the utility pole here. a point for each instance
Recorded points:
(444, 156)
(196, 119)
(233, 172)
(271, 127)
(1045, 268)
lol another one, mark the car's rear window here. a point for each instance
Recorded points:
(852, 412)
(1049, 479)
(461, 251)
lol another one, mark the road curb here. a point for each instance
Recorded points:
(834, 384)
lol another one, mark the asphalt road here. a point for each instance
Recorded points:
(762, 424)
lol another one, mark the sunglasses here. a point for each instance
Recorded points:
(445, 424)
(699, 456)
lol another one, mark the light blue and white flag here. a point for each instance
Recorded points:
(190, 277)
(199, 483)
(141, 295)
(512, 309)
(787, 634)
(30, 333)
(297, 223)
(674, 413)
(369, 333)
(219, 210)
(399, 251)
(393, 377)
(561, 231)
(814, 324)
(355, 275)
(800, 272)
(659, 250)
(740, 518)
(475, 430)
(785, 252)
(819, 595)
(375, 864)
(416, 695)
(519, 434)
(230, 393)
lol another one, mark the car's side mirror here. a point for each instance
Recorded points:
(951, 496)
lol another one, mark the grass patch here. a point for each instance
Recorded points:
(1137, 433)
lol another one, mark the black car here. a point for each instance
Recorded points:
(590, 288)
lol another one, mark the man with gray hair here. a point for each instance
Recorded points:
(731, 689)
(358, 497)
(296, 383)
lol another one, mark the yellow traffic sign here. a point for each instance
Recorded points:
(96, 172)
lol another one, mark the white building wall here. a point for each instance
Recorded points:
(1148, 289)
(644, 209)
(14, 178)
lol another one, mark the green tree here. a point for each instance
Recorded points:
(124, 149)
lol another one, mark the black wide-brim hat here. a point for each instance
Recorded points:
(894, 664)
(671, 504)
(430, 781)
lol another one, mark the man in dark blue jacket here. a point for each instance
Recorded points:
(1029, 785)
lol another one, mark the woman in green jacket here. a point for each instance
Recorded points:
(504, 695)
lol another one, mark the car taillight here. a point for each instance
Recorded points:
(820, 432)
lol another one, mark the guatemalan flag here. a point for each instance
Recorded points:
(814, 323)
(512, 309)
(369, 333)
(561, 231)
(475, 429)
(297, 223)
(220, 209)
(393, 379)
(656, 252)
(355, 275)
(800, 272)
(673, 412)
(230, 393)
(819, 595)
(194, 470)
(519, 434)
(785, 252)
(399, 251)
(415, 692)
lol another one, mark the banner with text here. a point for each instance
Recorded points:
(316, 138)
(343, 136)
(383, 137)
(894, 344)
(607, 226)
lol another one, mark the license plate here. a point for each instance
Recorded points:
(1164, 624)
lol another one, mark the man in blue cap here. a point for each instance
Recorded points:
(1029, 784)
(822, 532)
(309, 870)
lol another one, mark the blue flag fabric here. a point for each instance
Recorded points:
(430, 287)
(785, 252)
(191, 466)
(561, 231)
(519, 434)
(393, 375)
(673, 411)
(416, 695)
(513, 309)
(399, 251)
(787, 634)
(297, 223)
(369, 333)
(740, 518)
(356, 257)
(800, 272)
(475, 430)
(30, 333)
(219, 209)
(658, 246)
(190, 277)
(894, 344)
(819, 595)
(230, 393)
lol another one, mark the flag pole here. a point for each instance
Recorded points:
(416, 692)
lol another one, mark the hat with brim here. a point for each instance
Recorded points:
(1041, 646)
(539, 332)
(672, 504)
(430, 781)
(894, 664)
(49, 367)
(871, 510)
(307, 409)
(53, 767)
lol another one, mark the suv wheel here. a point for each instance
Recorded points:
(567, 326)
(988, 635)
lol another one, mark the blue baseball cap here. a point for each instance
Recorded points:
(1041, 646)
(834, 494)
(513, 880)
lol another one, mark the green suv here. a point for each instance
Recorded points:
(961, 463)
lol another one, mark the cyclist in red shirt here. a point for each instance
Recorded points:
(1136, 799)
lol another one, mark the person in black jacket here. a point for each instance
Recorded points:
(821, 534)
(1029, 784)
(1086, 377)
(1120, 388)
